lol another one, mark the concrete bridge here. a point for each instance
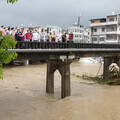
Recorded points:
(59, 56)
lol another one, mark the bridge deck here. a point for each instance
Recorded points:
(65, 50)
(61, 45)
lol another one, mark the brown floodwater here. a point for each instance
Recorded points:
(23, 96)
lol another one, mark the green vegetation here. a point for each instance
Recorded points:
(99, 79)
(6, 42)
(11, 1)
(76, 60)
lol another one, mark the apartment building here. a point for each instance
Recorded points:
(80, 34)
(106, 30)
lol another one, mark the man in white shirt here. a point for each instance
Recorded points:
(59, 36)
(35, 36)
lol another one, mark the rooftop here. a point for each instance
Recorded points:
(98, 19)
(32, 27)
(112, 15)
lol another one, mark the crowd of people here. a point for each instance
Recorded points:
(19, 35)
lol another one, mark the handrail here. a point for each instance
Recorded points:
(62, 45)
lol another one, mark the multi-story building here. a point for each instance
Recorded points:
(105, 30)
(79, 33)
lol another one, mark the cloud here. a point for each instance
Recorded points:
(63, 12)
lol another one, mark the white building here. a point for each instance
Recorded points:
(105, 30)
(79, 33)
(53, 28)
(33, 28)
(87, 33)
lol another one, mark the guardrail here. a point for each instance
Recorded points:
(61, 45)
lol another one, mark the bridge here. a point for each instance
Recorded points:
(59, 56)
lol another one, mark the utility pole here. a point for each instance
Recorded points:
(78, 21)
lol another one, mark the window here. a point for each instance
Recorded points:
(111, 37)
(102, 39)
(112, 29)
(111, 19)
(94, 39)
(103, 29)
(92, 30)
(95, 29)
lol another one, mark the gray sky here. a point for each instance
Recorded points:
(60, 12)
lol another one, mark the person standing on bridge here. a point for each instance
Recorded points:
(47, 37)
(3, 31)
(2, 28)
(22, 35)
(17, 34)
(12, 32)
(27, 36)
(8, 32)
(42, 37)
(31, 36)
(70, 37)
(53, 36)
(59, 36)
(50, 37)
(64, 37)
(35, 36)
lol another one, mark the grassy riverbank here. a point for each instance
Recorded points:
(99, 79)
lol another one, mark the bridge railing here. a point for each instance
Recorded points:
(61, 45)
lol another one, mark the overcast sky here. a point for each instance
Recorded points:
(60, 12)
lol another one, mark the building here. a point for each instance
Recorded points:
(79, 33)
(51, 28)
(87, 32)
(106, 30)
(33, 28)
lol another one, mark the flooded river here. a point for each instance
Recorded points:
(23, 96)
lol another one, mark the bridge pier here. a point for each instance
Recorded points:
(26, 62)
(64, 68)
(107, 62)
(117, 60)
(50, 77)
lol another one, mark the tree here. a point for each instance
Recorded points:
(11, 1)
(6, 43)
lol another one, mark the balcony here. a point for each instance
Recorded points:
(98, 24)
(113, 41)
(104, 24)
(112, 32)
(112, 23)
(98, 33)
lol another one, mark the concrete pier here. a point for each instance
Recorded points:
(50, 77)
(64, 68)
(26, 62)
(107, 62)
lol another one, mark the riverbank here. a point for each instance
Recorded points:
(23, 96)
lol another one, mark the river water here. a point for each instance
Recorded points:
(23, 96)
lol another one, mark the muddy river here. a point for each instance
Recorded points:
(23, 96)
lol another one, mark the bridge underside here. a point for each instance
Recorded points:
(38, 55)
(61, 61)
